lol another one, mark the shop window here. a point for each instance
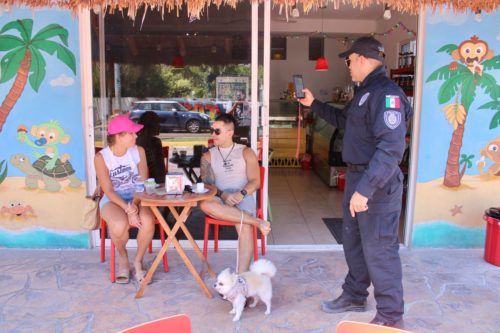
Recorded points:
(316, 47)
(278, 48)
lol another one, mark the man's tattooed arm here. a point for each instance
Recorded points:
(207, 174)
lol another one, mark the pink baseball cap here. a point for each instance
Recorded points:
(122, 123)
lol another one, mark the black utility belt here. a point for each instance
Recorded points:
(357, 167)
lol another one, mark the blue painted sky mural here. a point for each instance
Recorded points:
(453, 30)
(449, 205)
(42, 197)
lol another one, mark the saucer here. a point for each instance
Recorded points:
(205, 190)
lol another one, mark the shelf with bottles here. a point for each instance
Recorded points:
(405, 81)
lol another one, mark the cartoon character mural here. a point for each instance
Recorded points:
(41, 196)
(492, 152)
(457, 158)
(472, 59)
(17, 210)
(25, 59)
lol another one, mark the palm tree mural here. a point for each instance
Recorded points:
(24, 58)
(466, 160)
(461, 81)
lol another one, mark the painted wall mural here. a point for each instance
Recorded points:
(41, 160)
(458, 160)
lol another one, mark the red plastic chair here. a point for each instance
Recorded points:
(357, 327)
(216, 223)
(174, 324)
(112, 262)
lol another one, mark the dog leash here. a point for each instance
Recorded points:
(238, 245)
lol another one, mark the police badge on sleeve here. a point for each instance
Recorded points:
(392, 118)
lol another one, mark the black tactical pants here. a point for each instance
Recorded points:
(371, 247)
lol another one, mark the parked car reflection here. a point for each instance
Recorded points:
(174, 116)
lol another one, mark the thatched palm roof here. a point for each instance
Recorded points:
(195, 8)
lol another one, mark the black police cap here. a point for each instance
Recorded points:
(368, 47)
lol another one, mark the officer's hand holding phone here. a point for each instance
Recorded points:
(308, 98)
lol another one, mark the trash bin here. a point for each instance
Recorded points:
(492, 244)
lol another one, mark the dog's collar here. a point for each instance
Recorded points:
(239, 288)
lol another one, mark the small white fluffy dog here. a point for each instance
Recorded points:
(255, 283)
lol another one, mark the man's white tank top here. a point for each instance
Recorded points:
(123, 170)
(229, 167)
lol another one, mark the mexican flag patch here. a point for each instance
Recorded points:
(392, 102)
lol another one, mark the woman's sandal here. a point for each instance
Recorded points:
(140, 276)
(123, 276)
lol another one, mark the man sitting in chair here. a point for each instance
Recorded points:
(234, 169)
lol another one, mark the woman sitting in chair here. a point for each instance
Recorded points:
(148, 140)
(119, 167)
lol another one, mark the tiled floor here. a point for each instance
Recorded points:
(299, 200)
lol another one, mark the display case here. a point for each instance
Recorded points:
(327, 149)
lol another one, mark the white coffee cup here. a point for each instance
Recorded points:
(200, 187)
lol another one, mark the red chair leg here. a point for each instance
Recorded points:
(205, 239)
(216, 238)
(103, 240)
(165, 262)
(255, 248)
(112, 263)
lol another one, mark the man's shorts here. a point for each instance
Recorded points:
(248, 204)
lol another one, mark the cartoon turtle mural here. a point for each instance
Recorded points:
(50, 177)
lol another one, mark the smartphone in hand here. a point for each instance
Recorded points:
(299, 85)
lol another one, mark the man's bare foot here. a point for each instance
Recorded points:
(265, 227)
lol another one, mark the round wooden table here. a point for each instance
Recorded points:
(186, 202)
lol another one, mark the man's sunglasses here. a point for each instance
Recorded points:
(217, 131)
(347, 62)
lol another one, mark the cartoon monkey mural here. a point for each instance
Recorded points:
(490, 151)
(50, 168)
(47, 138)
(471, 52)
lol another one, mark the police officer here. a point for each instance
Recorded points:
(375, 123)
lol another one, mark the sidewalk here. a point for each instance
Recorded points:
(69, 291)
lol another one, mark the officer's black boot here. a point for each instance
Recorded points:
(343, 304)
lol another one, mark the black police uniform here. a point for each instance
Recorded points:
(375, 123)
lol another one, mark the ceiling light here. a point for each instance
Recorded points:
(321, 64)
(477, 16)
(387, 12)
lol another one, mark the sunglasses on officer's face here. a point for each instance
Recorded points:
(347, 62)
(217, 131)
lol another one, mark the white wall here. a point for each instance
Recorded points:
(297, 62)
(322, 83)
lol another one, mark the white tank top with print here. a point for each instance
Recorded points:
(123, 171)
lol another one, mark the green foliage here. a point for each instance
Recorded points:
(17, 47)
(10, 64)
(62, 53)
(448, 48)
(37, 69)
(24, 27)
(450, 87)
(464, 158)
(444, 73)
(52, 30)
(166, 81)
(468, 91)
(489, 84)
(493, 63)
(495, 121)
(3, 170)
